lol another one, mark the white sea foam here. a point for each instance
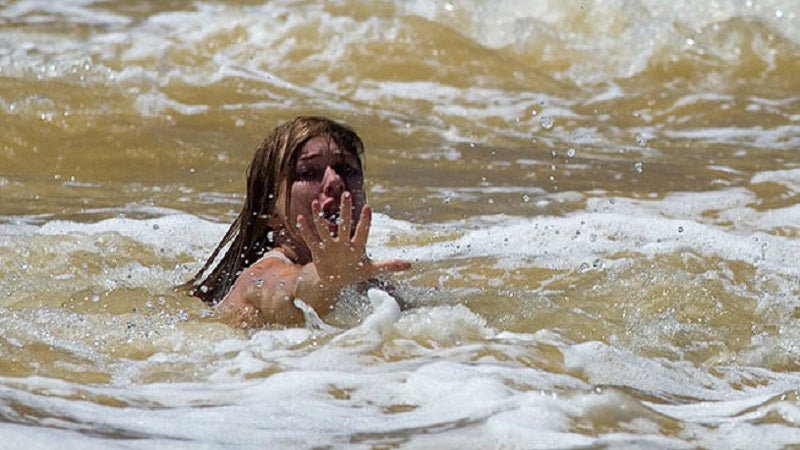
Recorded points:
(625, 36)
(322, 396)
(631, 36)
(175, 233)
(641, 227)
(438, 375)
(609, 226)
(789, 179)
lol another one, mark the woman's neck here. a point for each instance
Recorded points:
(292, 247)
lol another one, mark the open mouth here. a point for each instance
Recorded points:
(332, 218)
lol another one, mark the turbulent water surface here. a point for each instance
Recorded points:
(601, 200)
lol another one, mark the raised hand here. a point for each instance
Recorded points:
(340, 258)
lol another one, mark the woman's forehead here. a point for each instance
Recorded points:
(323, 147)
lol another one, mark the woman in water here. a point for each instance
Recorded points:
(302, 232)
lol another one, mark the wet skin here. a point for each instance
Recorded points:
(323, 176)
(324, 235)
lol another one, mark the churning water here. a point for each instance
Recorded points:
(601, 200)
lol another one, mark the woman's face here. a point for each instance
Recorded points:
(323, 172)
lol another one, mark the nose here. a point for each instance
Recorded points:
(332, 184)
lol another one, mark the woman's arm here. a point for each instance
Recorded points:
(265, 292)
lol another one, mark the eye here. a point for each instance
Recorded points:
(308, 174)
(347, 170)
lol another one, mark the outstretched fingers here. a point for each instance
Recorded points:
(312, 241)
(362, 229)
(319, 222)
(346, 216)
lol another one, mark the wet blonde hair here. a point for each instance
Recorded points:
(270, 172)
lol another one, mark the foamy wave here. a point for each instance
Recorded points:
(320, 396)
(599, 40)
(617, 227)
(622, 39)
(177, 233)
(609, 226)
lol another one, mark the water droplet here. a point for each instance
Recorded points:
(680, 229)
(638, 166)
(641, 140)
(526, 198)
(570, 152)
(547, 122)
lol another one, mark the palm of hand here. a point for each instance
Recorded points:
(342, 259)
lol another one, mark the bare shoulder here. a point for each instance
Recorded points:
(273, 265)
(259, 292)
(263, 276)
